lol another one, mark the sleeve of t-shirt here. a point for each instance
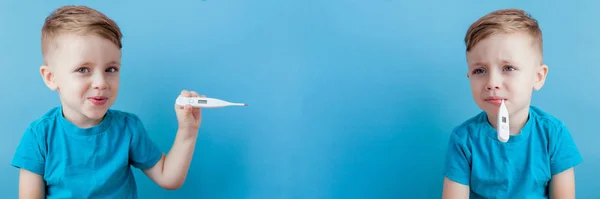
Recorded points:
(563, 151)
(143, 152)
(31, 151)
(457, 167)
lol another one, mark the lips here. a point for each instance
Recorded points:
(495, 100)
(98, 100)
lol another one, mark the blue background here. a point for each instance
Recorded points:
(347, 99)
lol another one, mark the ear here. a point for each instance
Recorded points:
(540, 77)
(48, 77)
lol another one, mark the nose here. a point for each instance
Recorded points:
(494, 82)
(99, 82)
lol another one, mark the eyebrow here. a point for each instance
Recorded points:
(114, 63)
(502, 61)
(505, 61)
(478, 64)
(87, 63)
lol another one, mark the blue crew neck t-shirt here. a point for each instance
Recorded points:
(87, 163)
(519, 168)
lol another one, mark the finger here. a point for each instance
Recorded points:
(182, 94)
(177, 106)
(196, 112)
(194, 94)
(185, 93)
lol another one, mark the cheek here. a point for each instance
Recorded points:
(114, 82)
(520, 84)
(477, 85)
(520, 92)
(73, 84)
(476, 90)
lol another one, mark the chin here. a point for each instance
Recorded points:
(96, 116)
(97, 113)
(490, 109)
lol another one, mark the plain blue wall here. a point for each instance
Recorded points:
(347, 99)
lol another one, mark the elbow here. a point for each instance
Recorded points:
(173, 185)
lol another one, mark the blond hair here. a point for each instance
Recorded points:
(78, 19)
(504, 21)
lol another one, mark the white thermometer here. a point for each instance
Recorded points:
(502, 125)
(204, 102)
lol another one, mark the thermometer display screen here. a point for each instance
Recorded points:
(201, 101)
(503, 119)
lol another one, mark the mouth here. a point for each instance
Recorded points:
(495, 100)
(98, 100)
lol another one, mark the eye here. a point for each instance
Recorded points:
(83, 70)
(509, 68)
(479, 71)
(112, 69)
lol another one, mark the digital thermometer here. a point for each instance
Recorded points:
(502, 125)
(204, 102)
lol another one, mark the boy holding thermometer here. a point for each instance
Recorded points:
(82, 148)
(533, 155)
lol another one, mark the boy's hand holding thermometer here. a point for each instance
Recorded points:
(502, 125)
(187, 108)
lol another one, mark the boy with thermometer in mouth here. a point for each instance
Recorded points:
(511, 149)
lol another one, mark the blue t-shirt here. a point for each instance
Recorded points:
(87, 163)
(519, 168)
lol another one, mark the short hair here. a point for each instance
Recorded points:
(78, 20)
(504, 21)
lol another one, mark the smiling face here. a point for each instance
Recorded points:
(84, 70)
(505, 66)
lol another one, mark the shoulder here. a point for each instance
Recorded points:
(459, 153)
(41, 126)
(546, 124)
(35, 139)
(33, 146)
(557, 141)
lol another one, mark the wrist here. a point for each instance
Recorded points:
(187, 133)
(187, 129)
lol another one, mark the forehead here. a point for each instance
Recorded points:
(73, 49)
(500, 48)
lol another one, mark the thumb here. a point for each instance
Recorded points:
(184, 110)
(187, 109)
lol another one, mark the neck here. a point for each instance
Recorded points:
(79, 120)
(517, 120)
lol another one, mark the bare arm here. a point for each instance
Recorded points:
(562, 185)
(454, 190)
(31, 185)
(171, 170)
